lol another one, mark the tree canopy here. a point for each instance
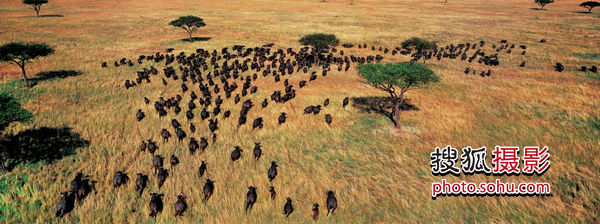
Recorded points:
(36, 5)
(543, 3)
(21, 53)
(319, 40)
(189, 23)
(389, 76)
(589, 5)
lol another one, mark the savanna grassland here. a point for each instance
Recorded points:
(380, 175)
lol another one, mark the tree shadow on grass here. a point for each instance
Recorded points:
(50, 75)
(380, 105)
(43, 144)
(196, 39)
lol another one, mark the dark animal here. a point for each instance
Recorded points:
(288, 208)
(165, 135)
(236, 153)
(193, 146)
(209, 188)
(559, 67)
(157, 163)
(326, 102)
(328, 119)
(162, 176)
(180, 205)
(257, 150)
(202, 169)
(156, 204)
(315, 211)
(141, 182)
(257, 123)
(345, 102)
(250, 198)
(152, 147)
(281, 118)
(273, 193)
(174, 161)
(120, 178)
(140, 115)
(272, 172)
(65, 204)
(331, 202)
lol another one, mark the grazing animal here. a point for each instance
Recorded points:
(203, 144)
(162, 176)
(152, 147)
(174, 161)
(315, 211)
(559, 67)
(522, 64)
(193, 146)
(165, 134)
(328, 119)
(331, 202)
(272, 172)
(120, 178)
(141, 182)
(180, 134)
(326, 102)
(209, 188)
(257, 150)
(257, 123)
(202, 169)
(281, 118)
(288, 208)
(236, 153)
(594, 69)
(65, 204)
(345, 102)
(140, 115)
(250, 198)
(157, 163)
(156, 204)
(265, 103)
(273, 193)
(180, 205)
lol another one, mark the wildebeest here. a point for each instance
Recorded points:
(140, 115)
(345, 102)
(559, 67)
(265, 103)
(236, 153)
(156, 204)
(203, 144)
(157, 162)
(250, 198)
(309, 109)
(213, 125)
(202, 169)
(257, 150)
(80, 186)
(315, 211)
(180, 205)
(162, 176)
(326, 102)
(288, 208)
(174, 161)
(141, 182)
(281, 118)
(272, 171)
(331, 202)
(152, 147)
(208, 189)
(120, 178)
(328, 119)
(257, 123)
(165, 135)
(180, 134)
(65, 204)
(273, 193)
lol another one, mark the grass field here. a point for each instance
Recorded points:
(379, 175)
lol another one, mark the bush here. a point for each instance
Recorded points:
(319, 40)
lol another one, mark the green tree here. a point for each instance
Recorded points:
(396, 79)
(36, 5)
(21, 53)
(589, 5)
(420, 45)
(319, 40)
(543, 3)
(189, 23)
(10, 111)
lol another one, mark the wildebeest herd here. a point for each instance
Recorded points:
(208, 78)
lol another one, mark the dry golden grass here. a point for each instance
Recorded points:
(380, 175)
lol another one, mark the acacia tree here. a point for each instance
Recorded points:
(420, 45)
(10, 111)
(396, 79)
(319, 40)
(21, 53)
(189, 23)
(589, 5)
(36, 5)
(543, 3)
